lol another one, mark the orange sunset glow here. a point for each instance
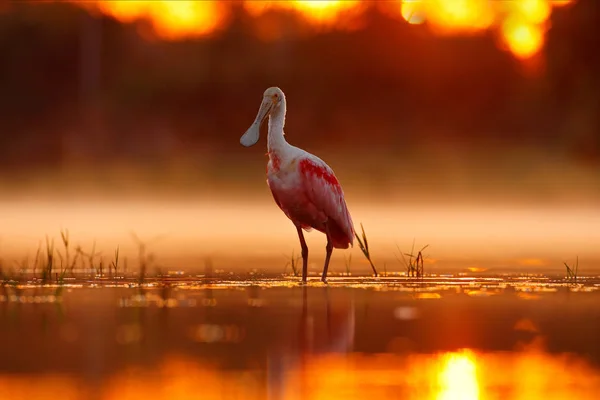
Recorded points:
(300, 199)
(520, 25)
(445, 376)
(328, 13)
(170, 19)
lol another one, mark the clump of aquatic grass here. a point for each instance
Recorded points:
(91, 257)
(54, 263)
(415, 264)
(572, 271)
(47, 269)
(114, 265)
(100, 269)
(294, 263)
(142, 260)
(64, 235)
(69, 264)
(66, 264)
(364, 247)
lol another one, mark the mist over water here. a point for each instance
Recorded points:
(241, 233)
(509, 210)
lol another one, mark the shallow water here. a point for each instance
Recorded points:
(436, 338)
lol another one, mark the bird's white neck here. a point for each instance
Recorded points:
(275, 141)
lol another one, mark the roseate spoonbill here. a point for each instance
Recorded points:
(303, 185)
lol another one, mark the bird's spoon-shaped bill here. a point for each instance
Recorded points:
(253, 133)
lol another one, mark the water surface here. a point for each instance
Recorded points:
(436, 338)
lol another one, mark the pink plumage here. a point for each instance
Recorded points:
(326, 194)
(312, 198)
(303, 185)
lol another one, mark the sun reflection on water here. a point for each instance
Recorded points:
(458, 378)
(459, 375)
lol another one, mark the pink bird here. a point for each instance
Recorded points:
(303, 185)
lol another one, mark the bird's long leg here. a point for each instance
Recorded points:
(304, 254)
(329, 250)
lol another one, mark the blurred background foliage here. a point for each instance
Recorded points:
(93, 97)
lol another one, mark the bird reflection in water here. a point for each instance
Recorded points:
(452, 376)
(289, 360)
(329, 367)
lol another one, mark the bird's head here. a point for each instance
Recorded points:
(272, 99)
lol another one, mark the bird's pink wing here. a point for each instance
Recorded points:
(324, 191)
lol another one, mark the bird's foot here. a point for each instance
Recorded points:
(324, 280)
